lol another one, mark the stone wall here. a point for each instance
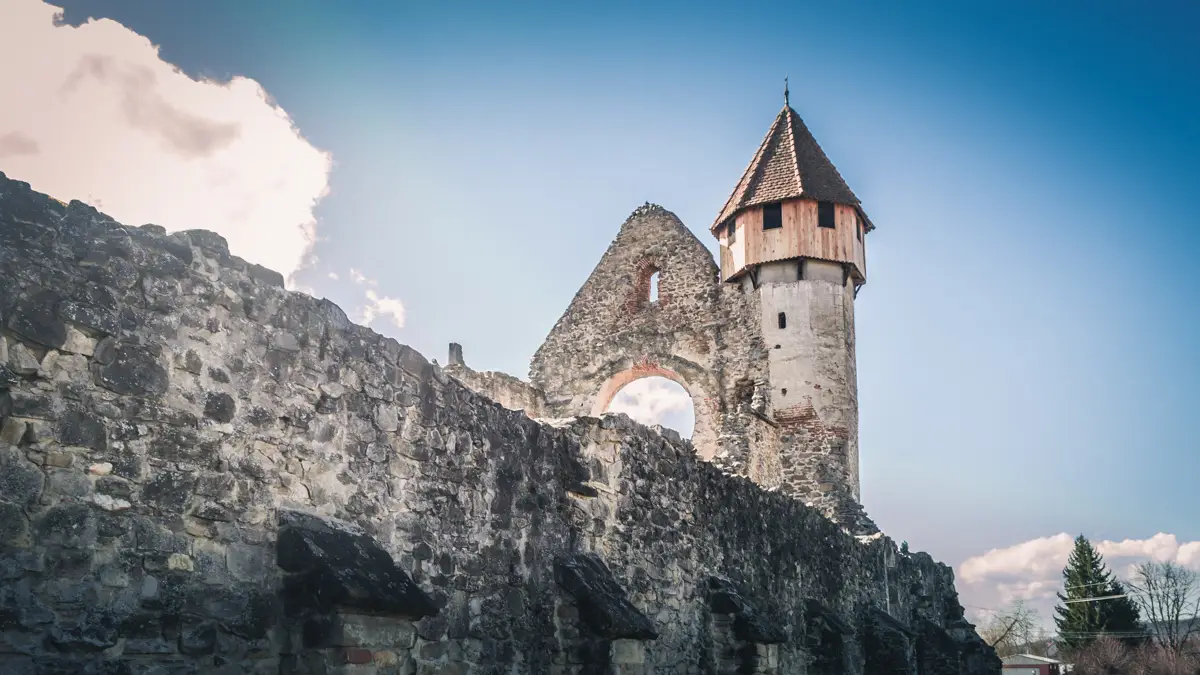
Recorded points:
(700, 333)
(508, 391)
(777, 405)
(201, 472)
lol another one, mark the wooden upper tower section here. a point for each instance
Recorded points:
(791, 203)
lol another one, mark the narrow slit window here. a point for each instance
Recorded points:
(654, 287)
(825, 217)
(772, 216)
(732, 238)
(782, 320)
(858, 227)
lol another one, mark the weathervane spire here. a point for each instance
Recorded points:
(785, 91)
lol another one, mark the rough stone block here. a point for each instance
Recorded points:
(628, 651)
(602, 602)
(359, 630)
(336, 564)
(13, 525)
(36, 319)
(135, 370)
(21, 482)
(22, 361)
(78, 343)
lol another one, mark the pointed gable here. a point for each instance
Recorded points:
(789, 164)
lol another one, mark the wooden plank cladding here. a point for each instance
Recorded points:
(800, 237)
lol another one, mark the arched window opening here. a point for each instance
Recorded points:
(658, 401)
(654, 287)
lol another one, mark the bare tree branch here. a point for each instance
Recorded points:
(1169, 597)
(1012, 629)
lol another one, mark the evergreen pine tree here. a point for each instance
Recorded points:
(1080, 623)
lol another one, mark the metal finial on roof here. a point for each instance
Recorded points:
(785, 91)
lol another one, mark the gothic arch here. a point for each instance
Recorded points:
(694, 378)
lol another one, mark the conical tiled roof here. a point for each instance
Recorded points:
(789, 164)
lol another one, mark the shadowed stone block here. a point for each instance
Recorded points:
(886, 643)
(602, 602)
(749, 624)
(360, 630)
(937, 651)
(337, 565)
(825, 639)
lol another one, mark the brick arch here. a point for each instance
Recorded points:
(690, 376)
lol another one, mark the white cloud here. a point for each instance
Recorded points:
(656, 400)
(382, 306)
(1032, 570)
(95, 114)
(377, 305)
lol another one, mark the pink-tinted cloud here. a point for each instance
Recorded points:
(95, 114)
(1032, 570)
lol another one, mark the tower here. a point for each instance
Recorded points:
(793, 238)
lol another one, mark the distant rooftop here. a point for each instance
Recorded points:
(1026, 659)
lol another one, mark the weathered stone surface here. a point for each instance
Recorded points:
(602, 602)
(334, 564)
(22, 361)
(13, 525)
(140, 526)
(750, 625)
(776, 405)
(361, 630)
(35, 318)
(220, 406)
(135, 370)
(82, 428)
(78, 343)
(21, 481)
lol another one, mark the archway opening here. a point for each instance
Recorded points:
(656, 400)
(654, 287)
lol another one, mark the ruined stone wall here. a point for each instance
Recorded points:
(201, 472)
(502, 388)
(778, 405)
(699, 332)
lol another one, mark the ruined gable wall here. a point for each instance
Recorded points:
(162, 402)
(610, 334)
(610, 325)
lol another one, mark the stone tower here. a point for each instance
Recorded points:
(763, 343)
(793, 236)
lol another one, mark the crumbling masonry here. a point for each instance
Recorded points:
(764, 345)
(201, 472)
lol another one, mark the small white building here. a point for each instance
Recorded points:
(1028, 664)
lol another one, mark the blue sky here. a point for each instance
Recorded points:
(1027, 350)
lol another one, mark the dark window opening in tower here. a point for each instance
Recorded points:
(654, 287)
(782, 320)
(732, 238)
(772, 216)
(858, 227)
(825, 214)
